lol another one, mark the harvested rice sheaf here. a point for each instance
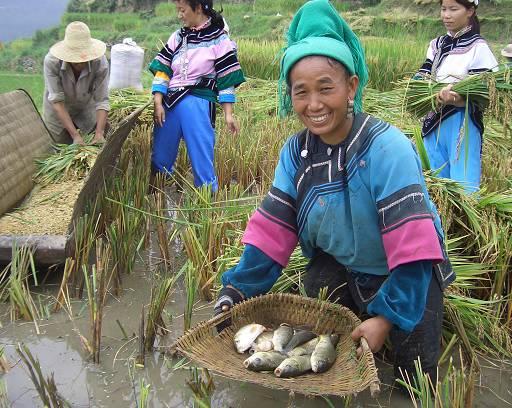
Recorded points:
(489, 90)
(69, 162)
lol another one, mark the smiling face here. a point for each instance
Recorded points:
(320, 90)
(189, 17)
(455, 16)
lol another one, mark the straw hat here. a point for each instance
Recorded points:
(507, 51)
(78, 46)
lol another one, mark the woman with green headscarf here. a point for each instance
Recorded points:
(350, 190)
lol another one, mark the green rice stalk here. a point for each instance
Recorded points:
(69, 162)
(143, 393)
(202, 386)
(455, 390)
(160, 293)
(492, 90)
(85, 232)
(191, 282)
(46, 387)
(63, 294)
(422, 151)
(161, 226)
(96, 285)
(15, 286)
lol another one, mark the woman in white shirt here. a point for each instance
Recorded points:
(453, 144)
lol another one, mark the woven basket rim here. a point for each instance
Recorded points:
(201, 343)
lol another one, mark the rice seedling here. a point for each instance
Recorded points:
(85, 231)
(209, 230)
(455, 390)
(161, 226)
(191, 281)
(141, 356)
(15, 286)
(160, 293)
(63, 294)
(202, 387)
(46, 387)
(143, 393)
(69, 162)
(97, 286)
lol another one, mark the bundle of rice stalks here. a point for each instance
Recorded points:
(69, 162)
(492, 90)
(125, 101)
(15, 287)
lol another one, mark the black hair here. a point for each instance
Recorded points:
(473, 21)
(331, 61)
(207, 9)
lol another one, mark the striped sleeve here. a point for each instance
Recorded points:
(160, 82)
(228, 69)
(273, 227)
(406, 219)
(163, 60)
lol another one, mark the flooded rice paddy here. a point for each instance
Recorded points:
(115, 382)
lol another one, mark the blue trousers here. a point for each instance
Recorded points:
(457, 147)
(188, 119)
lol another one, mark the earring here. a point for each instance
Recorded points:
(350, 108)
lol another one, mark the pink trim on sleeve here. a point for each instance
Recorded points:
(275, 240)
(416, 240)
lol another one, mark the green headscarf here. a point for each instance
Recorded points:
(318, 29)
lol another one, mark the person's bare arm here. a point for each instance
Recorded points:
(101, 121)
(67, 122)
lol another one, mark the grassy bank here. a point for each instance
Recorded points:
(32, 83)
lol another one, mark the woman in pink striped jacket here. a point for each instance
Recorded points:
(196, 68)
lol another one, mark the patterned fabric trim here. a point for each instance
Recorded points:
(405, 204)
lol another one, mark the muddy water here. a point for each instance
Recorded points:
(109, 384)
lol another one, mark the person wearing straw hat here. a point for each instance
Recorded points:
(507, 53)
(452, 133)
(349, 189)
(76, 86)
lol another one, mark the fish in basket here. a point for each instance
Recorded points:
(219, 353)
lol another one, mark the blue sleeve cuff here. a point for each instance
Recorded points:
(255, 273)
(402, 297)
(159, 88)
(227, 98)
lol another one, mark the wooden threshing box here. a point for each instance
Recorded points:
(23, 138)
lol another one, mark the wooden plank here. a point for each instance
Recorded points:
(49, 249)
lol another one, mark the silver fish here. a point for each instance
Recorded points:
(246, 336)
(282, 335)
(264, 360)
(324, 355)
(293, 366)
(263, 342)
(299, 337)
(306, 349)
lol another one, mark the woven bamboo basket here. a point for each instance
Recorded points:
(349, 375)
